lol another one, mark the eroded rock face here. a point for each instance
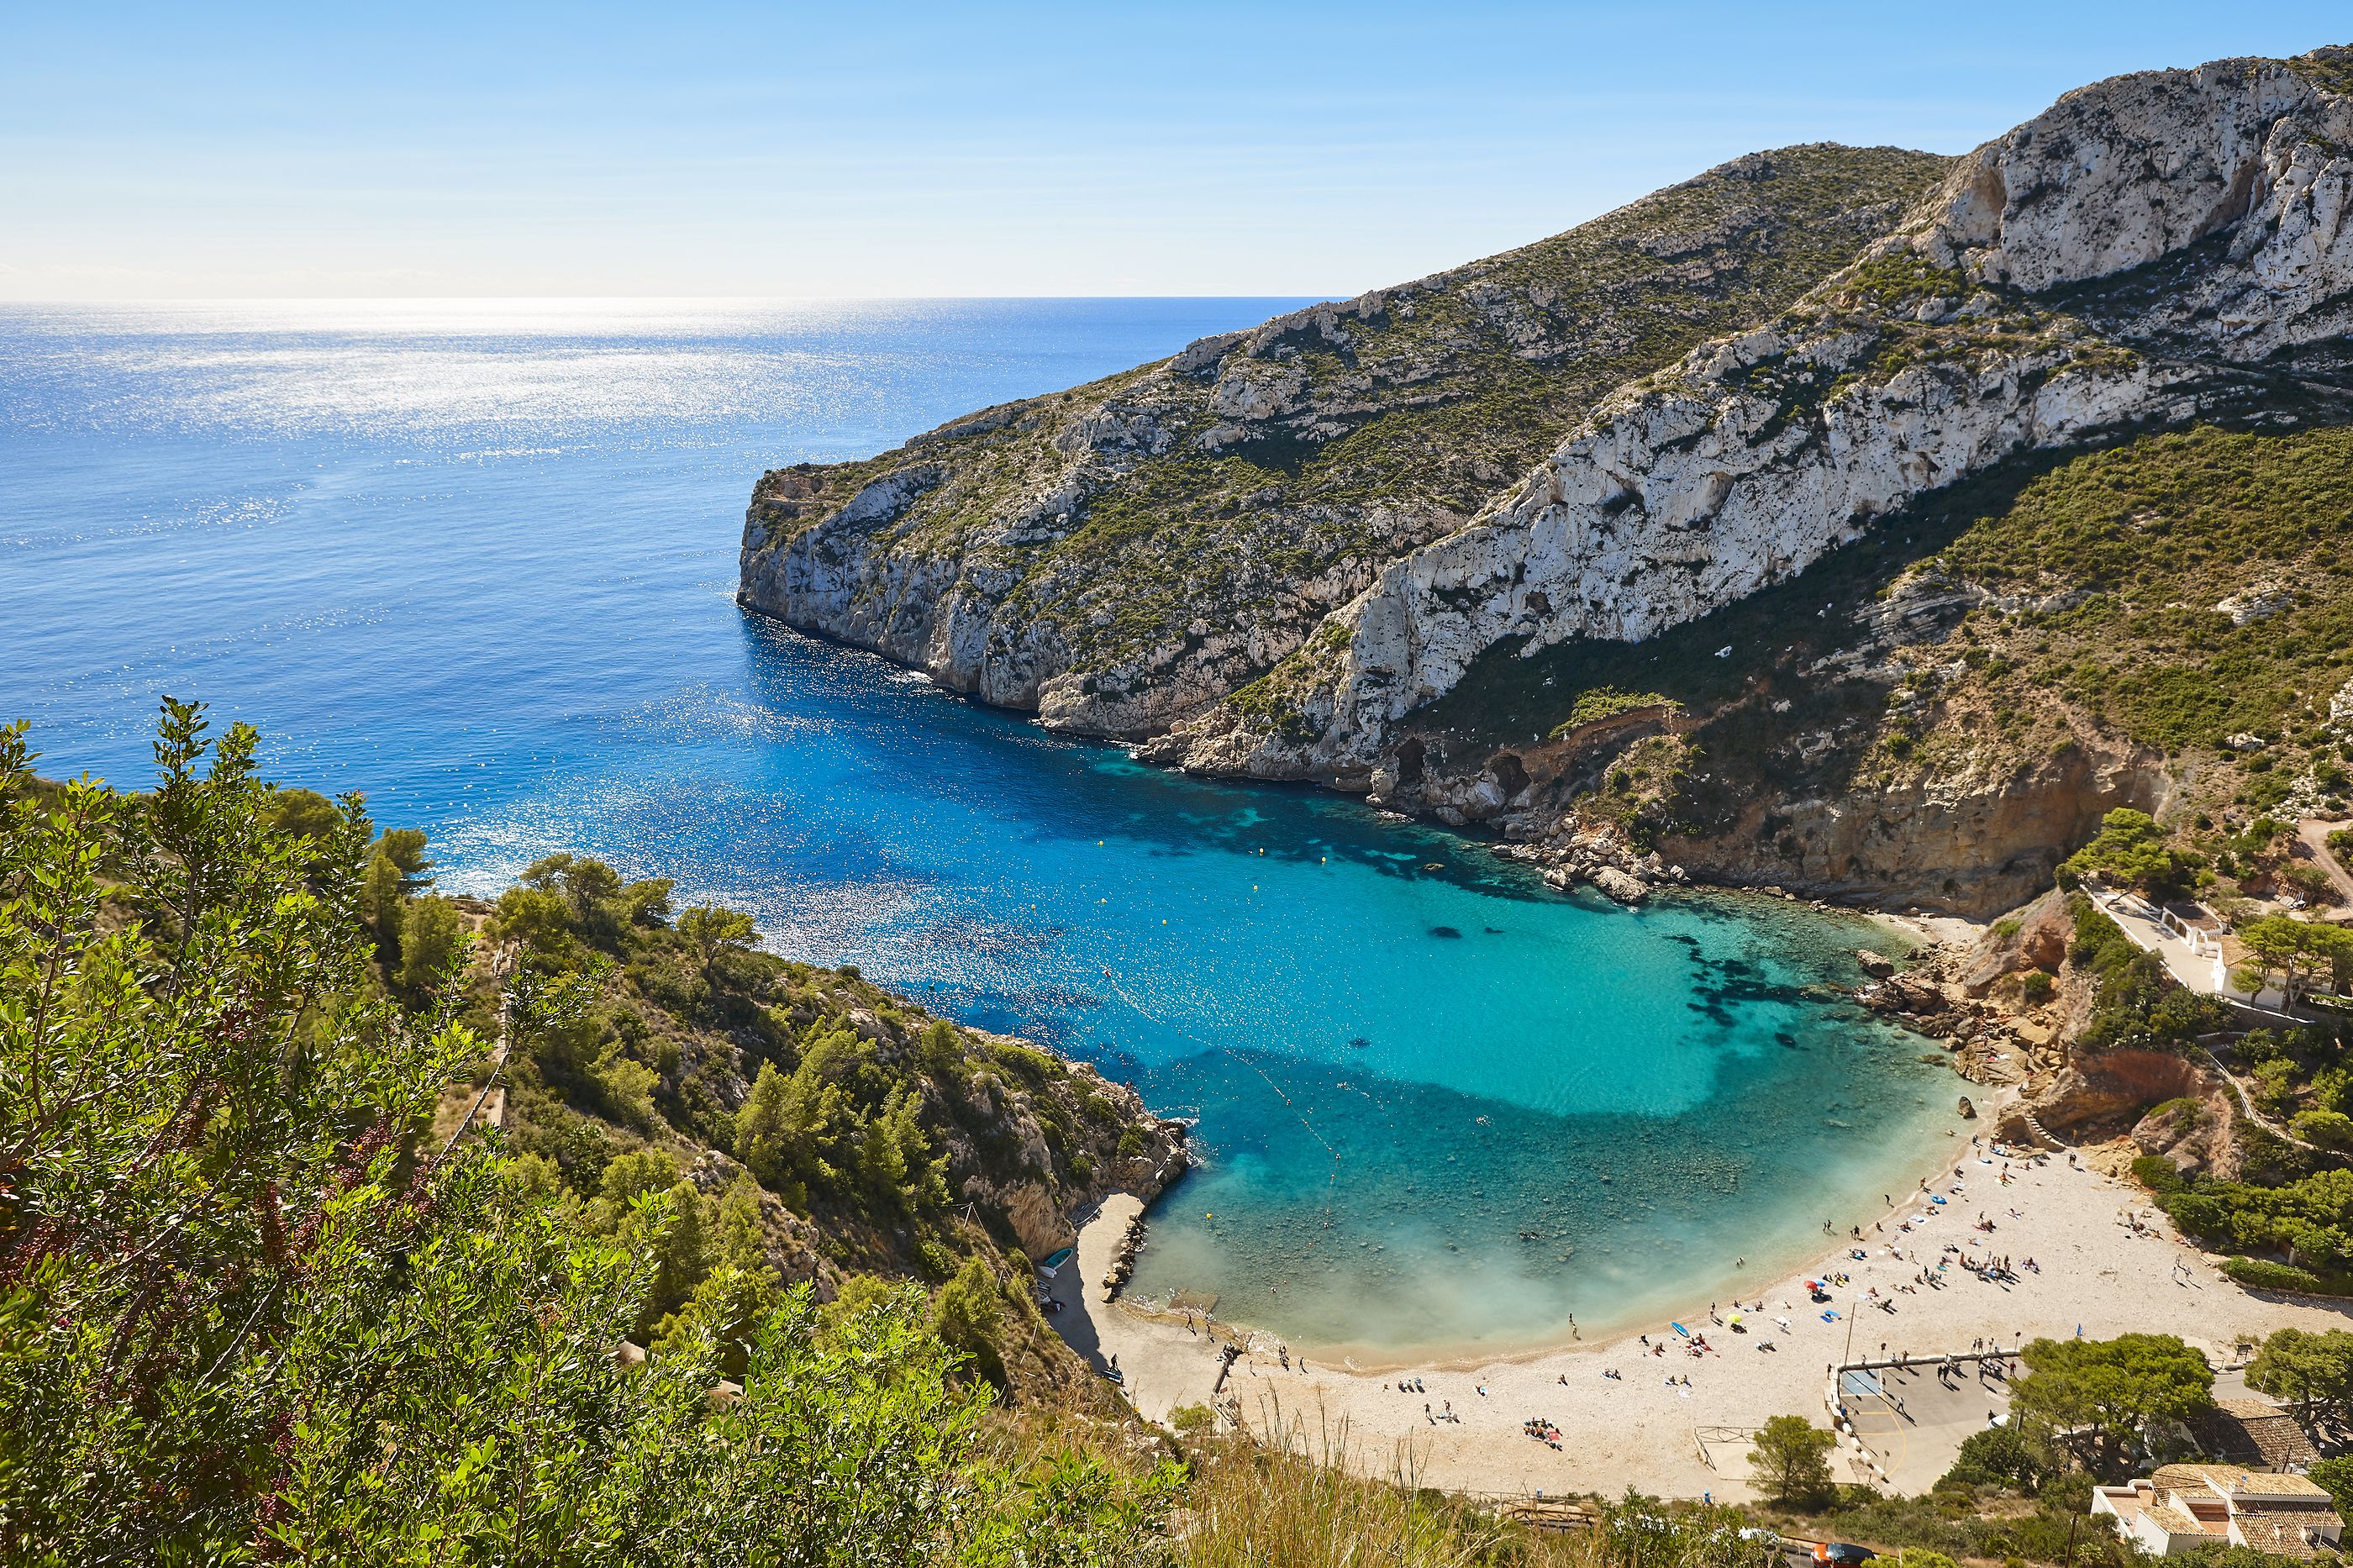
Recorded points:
(1977, 839)
(1122, 556)
(1999, 319)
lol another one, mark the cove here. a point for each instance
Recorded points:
(481, 566)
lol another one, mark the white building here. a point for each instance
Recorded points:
(2181, 1508)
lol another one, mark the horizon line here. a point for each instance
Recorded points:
(629, 299)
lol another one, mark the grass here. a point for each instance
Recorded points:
(1313, 1497)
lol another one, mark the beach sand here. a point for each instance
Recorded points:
(2096, 1275)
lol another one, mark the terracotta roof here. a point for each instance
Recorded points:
(2173, 1522)
(2280, 1534)
(2254, 1432)
(2271, 1513)
(2235, 1478)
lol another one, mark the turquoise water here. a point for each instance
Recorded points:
(478, 561)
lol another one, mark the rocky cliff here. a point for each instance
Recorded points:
(2153, 249)
(1856, 578)
(1123, 555)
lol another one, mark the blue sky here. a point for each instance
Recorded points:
(859, 150)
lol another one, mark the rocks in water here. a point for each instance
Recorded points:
(1969, 1111)
(1878, 965)
(1910, 993)
(1123, 1258)
(1616, 885)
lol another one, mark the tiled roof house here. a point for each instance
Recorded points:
(2181, 1508)
(2255, 1434)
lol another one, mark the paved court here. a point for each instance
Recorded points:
(1912, 1421)
(1913, 1424)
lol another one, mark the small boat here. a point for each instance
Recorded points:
(1681, 1330)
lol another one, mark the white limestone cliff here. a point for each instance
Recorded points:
(2008, 297)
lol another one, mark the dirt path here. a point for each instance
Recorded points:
(2314, 832)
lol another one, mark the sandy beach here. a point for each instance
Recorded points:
(2096, 1273)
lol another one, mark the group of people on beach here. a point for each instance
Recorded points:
(1835, 1293)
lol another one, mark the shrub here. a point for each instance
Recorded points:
(969, 1317)
(2035, 986)
(1997, 1456)
(2130, 848)
(2263, 1274)
(432, 940)
(1193, 1422)
(1607, 702)
(2157, 1175)
(1791, 1459)
(2329, 1129)
(2336, 1476)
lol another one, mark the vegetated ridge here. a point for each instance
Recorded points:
(1710, 625)
(1120, 556)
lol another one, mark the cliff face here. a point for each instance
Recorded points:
(2152, 249)
(1626, 546)
(1123, 555)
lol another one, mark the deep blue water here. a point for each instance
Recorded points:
(477, 562)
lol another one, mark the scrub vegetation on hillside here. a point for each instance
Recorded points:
(2186, 595)
(1245, 491)
(260, 1299)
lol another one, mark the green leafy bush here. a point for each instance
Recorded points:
(2132, 849)
(246, 1312)
(1601, 702)
(2266, 1274)
(1998, 1457)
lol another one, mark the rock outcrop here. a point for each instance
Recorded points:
(1352, 545)
(1124, 555)
(2134, 255)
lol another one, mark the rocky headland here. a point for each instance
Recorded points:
(1659, 547)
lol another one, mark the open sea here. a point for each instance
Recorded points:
(478, 561)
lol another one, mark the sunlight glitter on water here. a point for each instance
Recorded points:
(480, 565)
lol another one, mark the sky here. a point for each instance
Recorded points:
(863, 149)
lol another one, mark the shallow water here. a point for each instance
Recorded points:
(478, 561)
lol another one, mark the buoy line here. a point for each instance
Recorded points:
(1331, 1182)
